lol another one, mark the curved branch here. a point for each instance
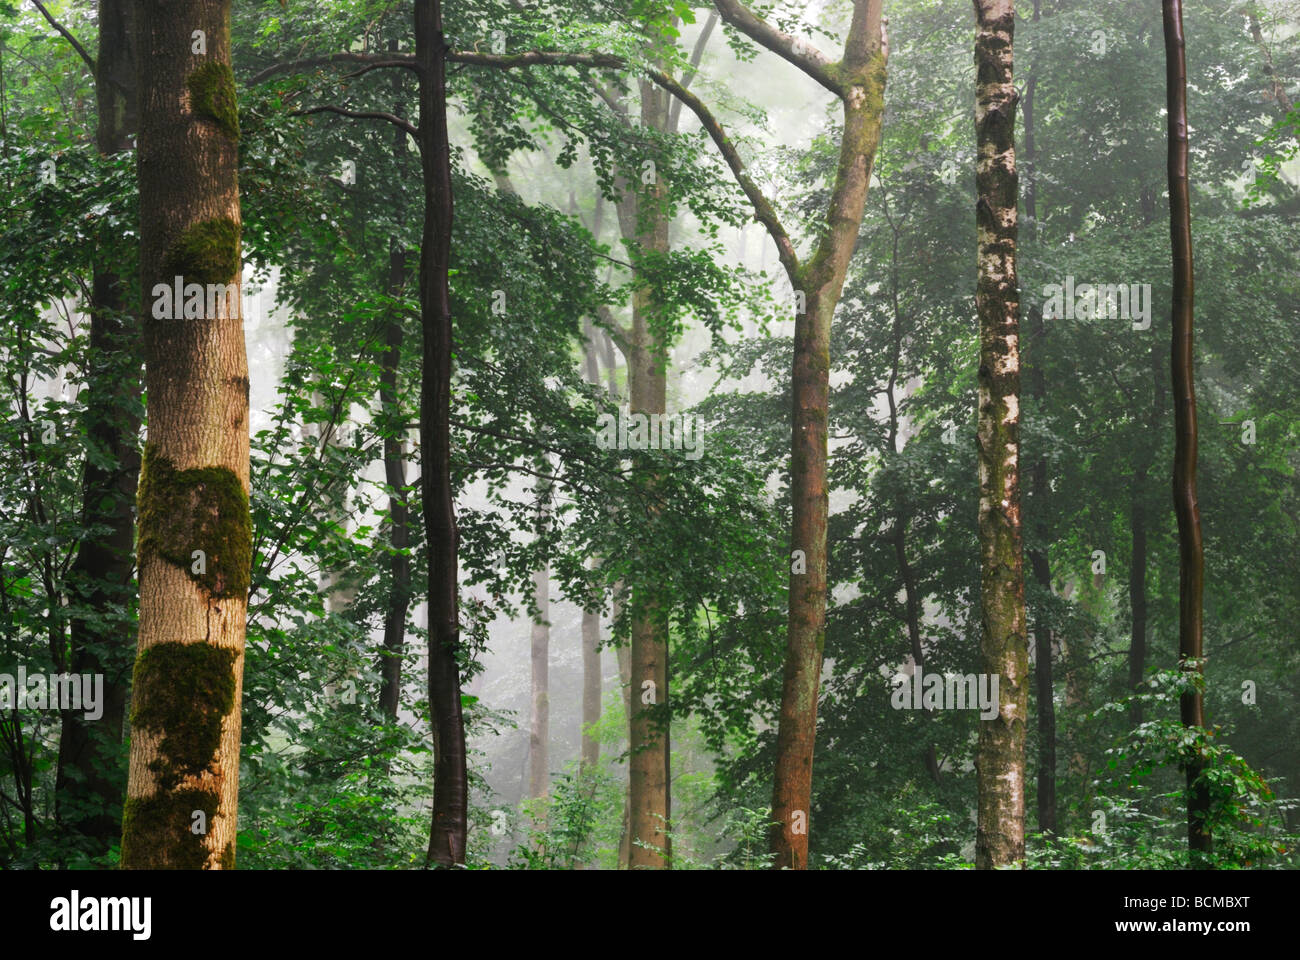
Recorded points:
(535, 57)
(360, 115)
(67, 35)
(373, 61)
(796, 50)
(764, 212)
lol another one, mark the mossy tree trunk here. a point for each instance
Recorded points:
(1000, 756)
(858, 80)
(91, 777)
(1191, 559)
(194, 524)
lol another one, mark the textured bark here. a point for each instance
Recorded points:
(91, 778)
(194, 486)
(1000, 758)
(447, 831)
(860, 84)
(1191, 560)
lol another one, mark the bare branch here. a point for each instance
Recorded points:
(373, 60)
(534, 58)
(796, 50)
(360, 115)
(675, 111)
(67, 35)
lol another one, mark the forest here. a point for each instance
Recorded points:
(649, 434)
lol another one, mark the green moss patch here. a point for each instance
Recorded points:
(182, 691)
(204, 509)
(207, 252)
(212, 97)
(157, 831)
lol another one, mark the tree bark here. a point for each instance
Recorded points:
(860, 87)
(1000, 758)
(91, 778)
(184, 769)
(447, 832)
(1191, 561)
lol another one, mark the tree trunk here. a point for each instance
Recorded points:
(1000, 758)
(399, 564)
(399, 569)
(591, 618)
(540, 736)
(1040, 491)
(1191, 560)
(450, 781)
(194, 523)
(821, 280)
(91, 777)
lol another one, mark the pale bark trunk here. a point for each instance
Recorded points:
(194, 485)
(1000, 758)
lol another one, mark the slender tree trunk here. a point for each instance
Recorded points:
(540, 726)
(821, 280)
(399, 564)
(911, 593)
(399, 568)
(450, 780)
(194, 524)
(591, 618)
(1040, 491)
(91, 776)
(1191, 560)
(1000, 758)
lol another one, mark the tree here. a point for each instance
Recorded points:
(858, 80)
(1000, 764)
(1191, 559)
(91, 777)
(194, 523)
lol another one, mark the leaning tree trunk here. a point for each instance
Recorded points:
(450, 781)
(91, 779)
(1191, 560)
(1000, 757)
(194, 524)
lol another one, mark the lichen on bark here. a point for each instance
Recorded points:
(205, 509)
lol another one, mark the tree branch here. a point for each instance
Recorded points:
(675, 111)
(764, 212)
(67, 35)
(796, 50)
(360, 115)
(534, 58)
(374, 62)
